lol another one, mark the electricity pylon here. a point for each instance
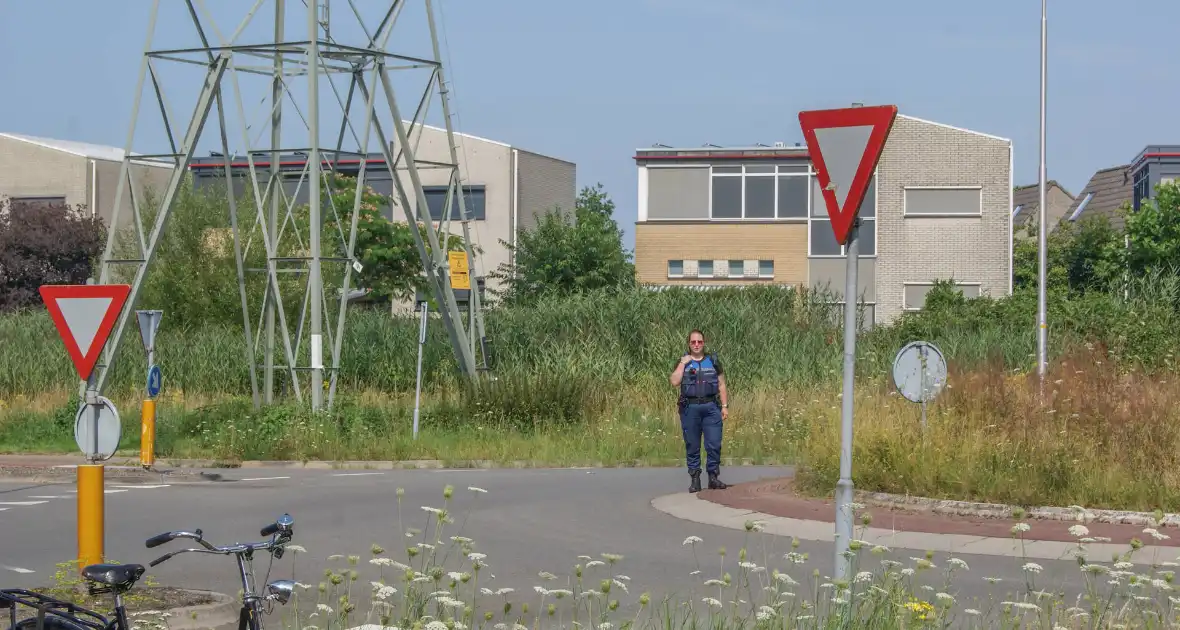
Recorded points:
(294, 63)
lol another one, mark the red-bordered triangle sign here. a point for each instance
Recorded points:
(84, 315)
(845, 145)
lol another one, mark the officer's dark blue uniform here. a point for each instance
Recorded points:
(700, 413)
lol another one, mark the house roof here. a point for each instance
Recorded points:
(81, 149)
(1028, 199)
(1103, 195)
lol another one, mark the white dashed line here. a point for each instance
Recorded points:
(357, 474)
(22, 503)
(19, 569)
(48, 496)
(262, 478)
(143, 487)
(112, 491)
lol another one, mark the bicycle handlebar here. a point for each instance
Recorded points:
(283, 526)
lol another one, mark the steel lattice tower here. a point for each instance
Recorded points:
(371, 100)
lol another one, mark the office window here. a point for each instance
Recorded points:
(759, 191)
(705, 268)
(936, 201)
(914, 293)
(737, 268)
(38, 203)
(474, 198)
(675, 268)
(766, 268)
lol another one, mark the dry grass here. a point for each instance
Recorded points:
(1104, 437)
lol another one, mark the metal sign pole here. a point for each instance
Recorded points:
(925, 394)
(844, 485)
(418, 383)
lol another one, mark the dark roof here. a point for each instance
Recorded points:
(1103, 195)
(1030, 198)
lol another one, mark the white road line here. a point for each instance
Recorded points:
(48, 496)
(112, 491)
(22, 503)
(262, 478)
(144, 487)
(357, 474)
(3, 509)
(19, 569)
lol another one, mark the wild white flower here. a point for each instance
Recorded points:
(958, 563)
(461, 539)
(714, 582)
(485, 590)
(783, 577)
(1032, 567)
(423, 545)
(477, 556)
(595, 563)
(620, 585)
(747, 565)
(475, 489)
(541, 590)
(436, 625)
(1079, 531)
(1161, 585)
(864, 576)
(545, 575)
(907, 572)
(505, 591)
(384, 592)
(945, 598)
(712, 602)
(324, 608)
(1155, 533)
(623, 577)
(794, 557)
(606, 625)
(1020, 528)
(382, 562)
(692, 540)
(432, 510)
(561, 592)
(972, 612)
(1123, 566)
(295, 548)
(763, 615)
(1096, 569)
(1021, 605)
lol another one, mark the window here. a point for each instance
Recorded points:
(737, 268)
(1081, 207)
(765, 268)
(705, 268)
(474, 198)
(675, 268)
(759, 191)
(38, 203)
(914, 293)
(821, 240)
(944, 201)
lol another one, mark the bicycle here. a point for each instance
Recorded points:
(118, 579)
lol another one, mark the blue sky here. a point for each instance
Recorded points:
(592, 81)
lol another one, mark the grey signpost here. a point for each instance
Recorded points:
(149, 323)
(418, 382)
(919, 373)
(844, 146)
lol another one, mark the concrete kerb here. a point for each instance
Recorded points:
(691, 508)
(435, 464)
(220, 613)
(1073, 513)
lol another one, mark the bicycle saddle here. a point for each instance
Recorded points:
(118, 575)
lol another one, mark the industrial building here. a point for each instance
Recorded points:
(939, 207)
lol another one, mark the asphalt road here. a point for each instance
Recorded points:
(528, 521)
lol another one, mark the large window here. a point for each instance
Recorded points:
(821, 240)
(474, 200)
(760, 191)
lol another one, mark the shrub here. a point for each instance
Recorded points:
(44, 244)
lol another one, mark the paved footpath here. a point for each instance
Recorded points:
(528, 521)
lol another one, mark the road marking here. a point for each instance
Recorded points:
(48, 496)
(19, 569)
(144, 487)
(112, 491)
(357, 474)
(22, 503)
(262, 478)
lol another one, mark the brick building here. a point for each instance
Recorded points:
(939, 207)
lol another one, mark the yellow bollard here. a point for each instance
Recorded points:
(147, 436)
(90, 514)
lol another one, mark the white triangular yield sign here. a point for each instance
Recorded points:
(84, 315)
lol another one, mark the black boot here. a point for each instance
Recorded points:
(695, 486)
(715, 482)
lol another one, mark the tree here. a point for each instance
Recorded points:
(1083, 256)
(391, 265)
(1154, 231)
(565, 256)
(45, 244)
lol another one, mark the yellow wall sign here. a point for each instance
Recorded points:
(460, 279)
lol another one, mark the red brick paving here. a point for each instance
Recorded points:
(777, 498)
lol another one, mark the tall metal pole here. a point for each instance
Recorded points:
(316, 297)
(276, 191)
(1042, 233)
(418, 381)
(844, 485)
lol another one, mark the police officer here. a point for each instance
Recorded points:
(703, 406)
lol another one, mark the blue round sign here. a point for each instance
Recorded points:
(154, 380)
